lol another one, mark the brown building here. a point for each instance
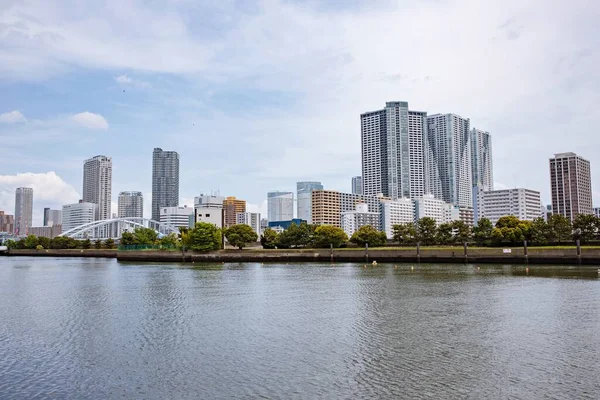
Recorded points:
(46, 231)
(328, 205)
(571, 185)
(231, 208)
(7, 223)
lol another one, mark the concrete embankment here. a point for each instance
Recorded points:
(64, 253)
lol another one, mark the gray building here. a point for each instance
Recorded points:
(304, 190)
(131, 205)
(165, 181)
(280, 206)
(357, 185)
(481, 160)
(23, 210)
(571, 185)
(52, 217)
(97, 185)
(448, 159)
(393, 151)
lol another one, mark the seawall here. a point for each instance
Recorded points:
(64, 253)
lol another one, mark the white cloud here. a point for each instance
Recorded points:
(123, 79)
(90, 120)
(127, 81)
(49, 190)
(12, 117)
(258, 208)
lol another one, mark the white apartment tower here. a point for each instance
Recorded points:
(97, 185)
(23, 210)
(395, 212)
(481, 160)
(448, 158)
(351, 221)
(393, 157)
(131, 205)
(524, 204)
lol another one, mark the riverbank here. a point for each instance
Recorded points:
(534, 255)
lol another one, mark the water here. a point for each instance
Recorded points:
(90, 328)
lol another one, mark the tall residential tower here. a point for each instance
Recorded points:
(165, 181)
(131, 205)
(23, 210)
(571, 185)
(97, 185)
(481, 160)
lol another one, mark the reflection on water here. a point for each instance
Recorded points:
(99, 329)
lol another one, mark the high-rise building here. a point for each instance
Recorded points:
(23, 210)
(97, 185)
(131, 205)
(595, 209)
(304, 190)
(52, 217)
(351, 221)
(231, 208)
(165, 180)
(448, 159)
(524, 204)
(571, 185)
(77, 214)
(7, 223)
(481, 160)
(393, 157)
(357, 185)
(176, 216)
(280, 206)
(396, 212)
(250, 219)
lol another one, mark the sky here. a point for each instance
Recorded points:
(256, 96)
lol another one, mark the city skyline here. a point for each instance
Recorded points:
(190, 89)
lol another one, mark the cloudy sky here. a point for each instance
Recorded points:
(257, 95)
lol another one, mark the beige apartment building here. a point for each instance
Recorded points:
(328, 205)
(231, 208)
(571, 185)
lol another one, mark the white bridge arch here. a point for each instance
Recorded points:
(114, 228)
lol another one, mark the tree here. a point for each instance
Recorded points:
(205, 237)
(31, 242)
(585, 227)
(62, 242)
(508, 221)
(326, 235)
(185, 236)
(240, 235)
(426, 230)
(44, 242)
(444, 234)
(368, 235)
(404, 233)
(145, 236)
(482, 233)
(461, 231)
(539, 231)
(86, 244)
(559, 228)
(110, 244)
(169, 241)
(98, 244)
(11, 244)
(268, 239)
(127, 239)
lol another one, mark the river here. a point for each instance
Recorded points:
(97, 329)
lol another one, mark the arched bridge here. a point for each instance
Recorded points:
(114, 228)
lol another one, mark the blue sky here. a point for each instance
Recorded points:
(258, 95)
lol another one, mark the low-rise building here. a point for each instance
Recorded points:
(211, 215)
(521, 203)
(7, 223)
(328, 205)
(430, 206)
(285, 224)
(250, 219)
(351, 221)
(49, 232)
(396, 212)
(176, 216)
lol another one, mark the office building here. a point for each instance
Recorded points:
(231, 208)
(50, 231)
(357, 185)
(97, 185)
(165, 181)
(595, 209)
(393, 157)
(304, 195)
(176, 216)
(351, 221)
(437, 209)
(52, 217)
(209, 201)
(210, 215)
(23, 210)
(571, 185)
(481, 160)
(395, 212)
(448, 159)
(7, 223)
(77, 214)
(280, 206)
(250, 219)
(131, 205)
(522, 203)
(328, 205)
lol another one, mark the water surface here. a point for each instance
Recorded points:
(93, 328)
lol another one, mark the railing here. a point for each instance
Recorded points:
(142, 247)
